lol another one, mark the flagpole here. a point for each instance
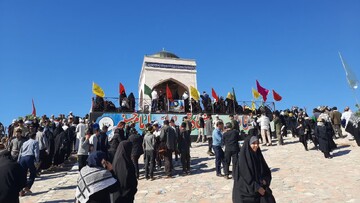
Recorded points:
(342, 62)
(212, 106)
(234, 101)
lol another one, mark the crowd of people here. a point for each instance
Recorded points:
(109, 165)
(159, 103)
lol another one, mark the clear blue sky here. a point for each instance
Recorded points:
(51, 51)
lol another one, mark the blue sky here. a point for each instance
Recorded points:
(51, 51)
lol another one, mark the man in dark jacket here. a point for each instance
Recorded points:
(231, 141)
(12, 177)
(177, 133)
(184, 148)
(168, 136)
(335, 116)
(208, 133)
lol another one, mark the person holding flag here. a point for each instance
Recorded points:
(122, 96)
(98, 104)
(195, 97)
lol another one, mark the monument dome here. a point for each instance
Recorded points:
(164, 54)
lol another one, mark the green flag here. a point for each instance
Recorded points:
(147, 91)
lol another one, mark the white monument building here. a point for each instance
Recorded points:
(162, 69)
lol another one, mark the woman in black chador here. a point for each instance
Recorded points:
(252, 176)
(324, 134)
(124, 170)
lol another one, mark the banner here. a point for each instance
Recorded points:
(113, 119)
(177, 106)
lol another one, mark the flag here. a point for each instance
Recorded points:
(255, 93)
(33, 108)
(194, 93)
(121, 89)
(264, 92)
(97, 90)
(230, 96)
(234, 94)
(214, 95)
(350, 75)
(147, 91)
(253, 106)
(277, 97)
(168, 93)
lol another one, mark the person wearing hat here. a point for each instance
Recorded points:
(16, 143)
(12, 177)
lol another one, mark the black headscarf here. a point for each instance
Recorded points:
(95, 158)
(125, 172)
(249, 172)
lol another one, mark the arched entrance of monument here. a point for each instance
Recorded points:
(177, 88)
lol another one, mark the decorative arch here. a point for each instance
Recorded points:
(176, 87)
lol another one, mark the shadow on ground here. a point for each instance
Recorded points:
(341, 153)
(58, 201)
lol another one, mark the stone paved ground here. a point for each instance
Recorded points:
(298, 176)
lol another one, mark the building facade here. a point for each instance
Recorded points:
(166, 69)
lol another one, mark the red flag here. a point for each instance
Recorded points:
(264, 92)
(214, 95)
(33, 108)
(168, 94)
(122, 88)
(277, 97)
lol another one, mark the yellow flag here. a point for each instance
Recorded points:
(230, 96)
(255, 93)
(194, 93)
(253, 106)
(97, 90)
